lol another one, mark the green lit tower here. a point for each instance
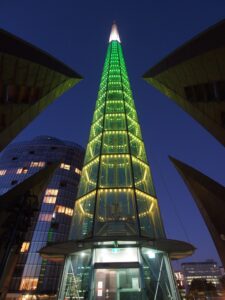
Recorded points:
(117, 248)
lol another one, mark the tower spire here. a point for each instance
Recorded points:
(117, 247)
(114, 35)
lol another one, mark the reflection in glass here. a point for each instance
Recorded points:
(115, 171)
(115, 213)
(81, 226)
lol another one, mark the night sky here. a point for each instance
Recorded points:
(76, 32)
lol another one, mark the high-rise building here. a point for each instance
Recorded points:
(209, 197)
(193, 76)
(204, 270)
(30, 79)
(17, 207)
(34, 277)
(117, 247)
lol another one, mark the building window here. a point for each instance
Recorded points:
(22, 171)
(2, 172)
(51, 192)
(14, 158)
(49, 199)
(37, 164)
(63, 210)
(78, 171)
(45, 217)
(29, 283)
(65, 166)
(69, 211)
(14, 182)
(25, 247)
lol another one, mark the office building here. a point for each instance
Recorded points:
(193, 76)
(117, 247)
(34, 277)
(205, 270)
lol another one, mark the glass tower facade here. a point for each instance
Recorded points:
(116, 213)
(34, 277)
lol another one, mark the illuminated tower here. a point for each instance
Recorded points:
(117, 247)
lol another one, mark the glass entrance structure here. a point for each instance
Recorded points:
(117, 247)
(126, 272)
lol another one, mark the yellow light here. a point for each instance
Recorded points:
(25, 246)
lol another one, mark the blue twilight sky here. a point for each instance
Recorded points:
(76, 32)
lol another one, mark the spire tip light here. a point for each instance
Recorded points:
(114, 35)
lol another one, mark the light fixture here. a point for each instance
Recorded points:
(151, 254)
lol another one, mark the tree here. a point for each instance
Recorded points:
(200, 288)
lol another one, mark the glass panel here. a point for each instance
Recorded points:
(115, 142)
(115, 122)
(96, 128)
(115, 213)
(115, 106)
(115, 85)
(115, 171)
(149, 216)
(82, 221)
(134, 127)
(93, 148)
(115, 94)
(131, 112)
(113, 284)
(142, 176)
(101, 96)
(137, 147)
(158, 276)
(89, 177)
(75, 280)
(98, 112)
(116, 255)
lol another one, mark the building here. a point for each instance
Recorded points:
(117, 247)
(33, 275)
(206, 270)
(30, 79)
(209, 195)
(193, 76)
(179, 276)
(17, 207)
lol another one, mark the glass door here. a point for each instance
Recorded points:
(117, 284)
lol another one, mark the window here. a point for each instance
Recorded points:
(14, 158)
(29, 283)
(49, 199)
(78, 171)
(69, 211)
(2, 172)
(22, 171)
(14, 182)
(51, 192)
(37, 164)
(45, 217)
(25, 247)
(65, 166)
(63, 210)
